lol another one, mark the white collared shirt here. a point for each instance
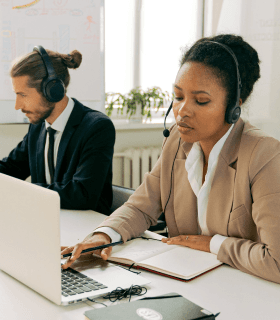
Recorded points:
(58, 125)
(194, 166)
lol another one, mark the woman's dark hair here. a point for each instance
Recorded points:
(221, 62)
(33, 66)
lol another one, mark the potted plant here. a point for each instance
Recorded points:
(137, 103)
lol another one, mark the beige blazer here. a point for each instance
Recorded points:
(244, 201)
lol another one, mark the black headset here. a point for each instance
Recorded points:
(52, 87)
(232, 114)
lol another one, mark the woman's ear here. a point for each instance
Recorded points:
(240, 102)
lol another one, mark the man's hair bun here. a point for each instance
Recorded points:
(72, 60)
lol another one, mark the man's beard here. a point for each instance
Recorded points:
(44, 114)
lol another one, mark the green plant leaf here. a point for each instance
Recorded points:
(148, 99)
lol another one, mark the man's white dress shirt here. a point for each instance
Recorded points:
(194, 166)
(58, 125)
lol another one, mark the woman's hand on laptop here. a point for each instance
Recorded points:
(98, 239)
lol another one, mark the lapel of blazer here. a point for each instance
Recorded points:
(185, 201)
(74, 120)
(221, 193)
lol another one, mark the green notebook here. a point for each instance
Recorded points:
(167, 307)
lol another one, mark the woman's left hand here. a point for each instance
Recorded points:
(198, 242)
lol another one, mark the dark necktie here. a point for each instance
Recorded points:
(51, 132)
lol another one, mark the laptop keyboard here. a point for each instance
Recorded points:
(74, 282)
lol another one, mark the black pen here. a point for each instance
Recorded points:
(95, 248)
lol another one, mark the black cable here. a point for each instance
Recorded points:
(120, 293)
(171, 177)
(97, 302)
(169, 192)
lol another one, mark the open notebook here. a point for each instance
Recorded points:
(170, 260)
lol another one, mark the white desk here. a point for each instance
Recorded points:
(233, 293)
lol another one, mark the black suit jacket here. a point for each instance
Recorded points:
(83, 173)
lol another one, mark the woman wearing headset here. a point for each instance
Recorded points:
(218, 177)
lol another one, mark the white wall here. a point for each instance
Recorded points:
(10, 136)
(258, 22)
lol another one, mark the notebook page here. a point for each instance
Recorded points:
(139, 249)
(183, 262)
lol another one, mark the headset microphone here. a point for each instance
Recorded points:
(166, 132)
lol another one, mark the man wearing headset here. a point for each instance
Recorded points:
(68, 147)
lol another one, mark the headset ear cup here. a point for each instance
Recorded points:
(232, 115)
(43, 88)
(236, 114)
(54, 90)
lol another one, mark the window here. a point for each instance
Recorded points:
(119, 32)
(144, 41)
(166, 28)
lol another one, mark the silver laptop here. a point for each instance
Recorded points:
(30, 248)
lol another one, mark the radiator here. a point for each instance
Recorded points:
(130, 166)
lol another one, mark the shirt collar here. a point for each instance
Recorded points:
(195, 155)
(215, 152)
(60, 122)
